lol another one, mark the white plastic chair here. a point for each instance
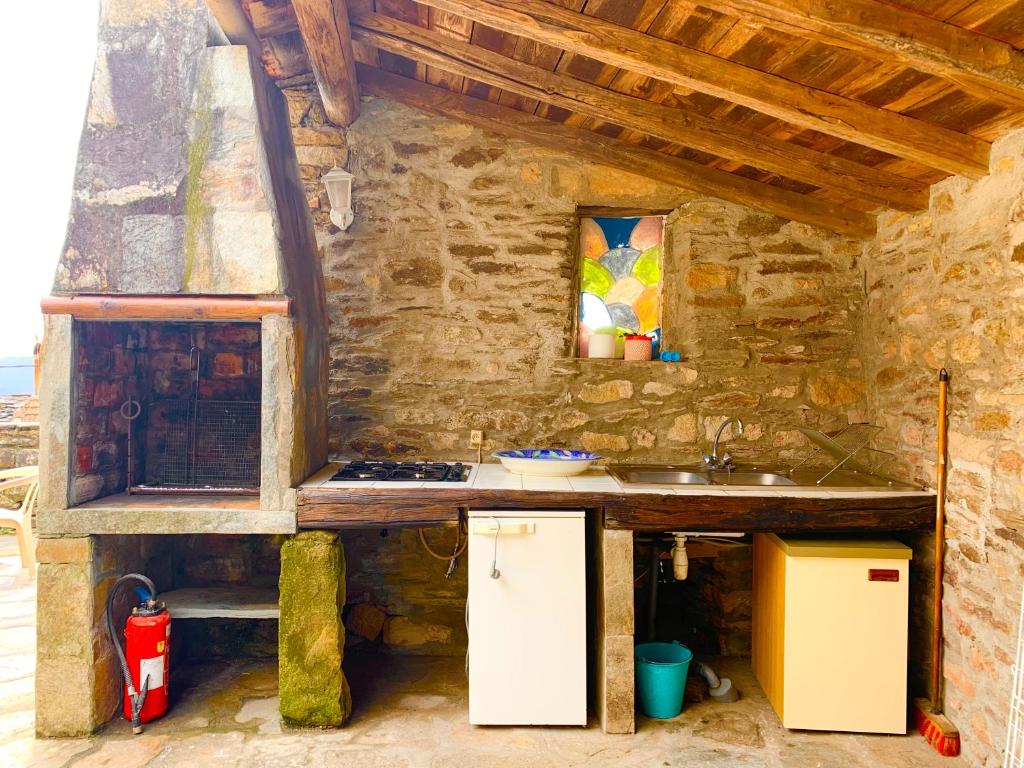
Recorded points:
(21, 519)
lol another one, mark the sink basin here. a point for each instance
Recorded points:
(660, 476)
(750, 478)
(749, 475)
(673, 476)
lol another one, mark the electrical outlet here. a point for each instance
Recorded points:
(476, 438)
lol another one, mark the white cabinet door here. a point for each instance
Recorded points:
(527, 628)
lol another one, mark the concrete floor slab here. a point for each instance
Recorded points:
(410, 712)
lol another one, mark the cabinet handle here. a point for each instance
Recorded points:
(883, 574)
(488, 528)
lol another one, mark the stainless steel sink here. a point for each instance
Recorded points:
(673, 476)
(751, 476)
(659, 476)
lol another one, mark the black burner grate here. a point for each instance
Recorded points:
(434, 472)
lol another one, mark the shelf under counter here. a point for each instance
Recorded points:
(693, 508)
(168, 514)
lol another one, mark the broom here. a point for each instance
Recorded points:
(932, 724)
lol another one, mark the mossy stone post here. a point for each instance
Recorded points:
(313, 689)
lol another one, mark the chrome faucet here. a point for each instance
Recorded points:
(713, 462)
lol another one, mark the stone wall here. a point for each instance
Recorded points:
(451, 300)
(19, 439)
(944, 290)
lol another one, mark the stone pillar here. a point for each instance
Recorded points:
(615, 684)
(311, 634)
(65, 659)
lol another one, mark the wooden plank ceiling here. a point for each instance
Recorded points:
(820, 111)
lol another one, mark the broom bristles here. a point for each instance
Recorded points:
(936, 729)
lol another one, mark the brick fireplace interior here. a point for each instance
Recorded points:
(194, 390)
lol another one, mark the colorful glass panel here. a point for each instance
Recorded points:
(620, 276)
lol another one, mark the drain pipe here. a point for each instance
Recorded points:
(652, 605)
(680, 560)
(719, 688)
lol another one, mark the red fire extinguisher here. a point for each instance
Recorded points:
(145, 659)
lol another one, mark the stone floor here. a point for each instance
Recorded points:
(410, 713)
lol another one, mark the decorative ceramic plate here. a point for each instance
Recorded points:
(547, 462)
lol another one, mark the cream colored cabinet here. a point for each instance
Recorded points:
(830, 632)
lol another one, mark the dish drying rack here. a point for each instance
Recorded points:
(848, 448)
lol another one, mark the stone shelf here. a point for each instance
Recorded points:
(222, 603)
(168, 513)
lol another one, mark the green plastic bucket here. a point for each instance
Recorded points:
(661, 670)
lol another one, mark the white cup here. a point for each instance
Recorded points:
(601, 345)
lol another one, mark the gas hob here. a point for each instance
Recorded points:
(427, 472)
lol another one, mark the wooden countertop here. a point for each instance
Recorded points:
(782, 509)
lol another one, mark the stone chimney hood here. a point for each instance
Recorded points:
(187, 211)
(186, 180)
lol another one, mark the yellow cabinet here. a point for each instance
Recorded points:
(830, 631)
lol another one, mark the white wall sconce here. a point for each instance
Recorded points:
(339, 192)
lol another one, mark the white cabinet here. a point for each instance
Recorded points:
(527, 618)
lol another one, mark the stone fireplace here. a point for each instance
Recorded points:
(184, 361)
(166, 408)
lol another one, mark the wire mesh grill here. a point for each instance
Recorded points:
(205, 444)
(1014, 754)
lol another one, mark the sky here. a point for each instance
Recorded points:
(44, 108)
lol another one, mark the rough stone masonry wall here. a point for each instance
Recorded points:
(19, 439)
(451, 302)
(944, 290)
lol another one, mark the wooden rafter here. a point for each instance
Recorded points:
(324, 27)
(826, 112)
(686, 175)
(977, 64)
(270, 18)
(674, 125)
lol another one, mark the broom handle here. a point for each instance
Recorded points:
(940, 541)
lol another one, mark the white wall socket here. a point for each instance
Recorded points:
(476, 438)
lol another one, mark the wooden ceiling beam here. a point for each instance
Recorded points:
(324, 27)
(930, 145)
(980, 65)
(692, 177)
(270, 18)
(670, 124)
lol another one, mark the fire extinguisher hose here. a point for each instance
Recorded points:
(137, 698)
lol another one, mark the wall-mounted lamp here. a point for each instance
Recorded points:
(339, 192)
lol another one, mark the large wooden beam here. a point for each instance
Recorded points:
(977, 64)
(686, 175)
(168, 307)
(801, 105)
(678, 126)
(323, 25)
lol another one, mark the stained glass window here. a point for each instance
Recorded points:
(620, 277)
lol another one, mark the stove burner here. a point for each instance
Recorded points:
(434, 472)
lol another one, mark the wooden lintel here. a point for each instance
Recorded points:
(980, 65)
(578, 33)
(686, 175)
(324, 27)
(110, 307)
(674, 125)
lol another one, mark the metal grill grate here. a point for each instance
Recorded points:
(205, 444)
